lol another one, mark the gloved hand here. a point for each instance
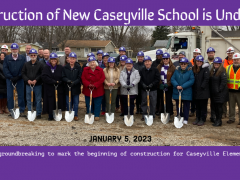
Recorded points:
(144, 86)
(161, 86)
(15, 79)
(150, 86)
(165, 86)
(72, 84)
(59, 82)
(130, 86)
(56, 83)
(125, 86)
(69, 82)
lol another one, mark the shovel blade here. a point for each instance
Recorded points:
(148, 120)
(165, 118)
(15, 113)
(31, 115)
(69, 116)
(57, 116)
(109, 117)
(89, 119)
(128, 120)
(178, 123)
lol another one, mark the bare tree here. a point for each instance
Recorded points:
(9, 34)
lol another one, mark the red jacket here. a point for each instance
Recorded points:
(96, 78)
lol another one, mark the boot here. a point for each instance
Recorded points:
(201, 122)
(196, 121)
(1, 106)
(212, 120)
(191, 114)
(218, 122)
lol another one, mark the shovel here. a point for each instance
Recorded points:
(15, 111)
(164, 116)
(148, 118)
(110, 115)
(89, 118)
(128, 119)
(31, 114)
(178, 121)
(69, 115)
(57, 114)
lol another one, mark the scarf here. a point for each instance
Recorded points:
(128, 77)
(52, 68)
(163, 74)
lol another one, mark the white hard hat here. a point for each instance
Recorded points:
(236, 56)
(230, 50)
(197, 50)
(4, 47)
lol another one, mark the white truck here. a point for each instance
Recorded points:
(201, 37)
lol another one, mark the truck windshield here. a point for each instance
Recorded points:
(169, 43)
(180, 43)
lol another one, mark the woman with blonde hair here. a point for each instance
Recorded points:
(111, 83)
(51, 77)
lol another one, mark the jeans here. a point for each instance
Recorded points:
(38, 98)
(20, 92)
(97, 105)
(152, 104)
(103, 104)
(117, 101)
(113, 99)
(125, 103)
(74, 103)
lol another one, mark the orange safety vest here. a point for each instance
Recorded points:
(227, 63)
(233, 80)
(192, 61)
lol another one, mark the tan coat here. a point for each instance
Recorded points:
(169, 72)
(116, 75)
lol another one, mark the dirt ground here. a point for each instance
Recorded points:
(42, 132)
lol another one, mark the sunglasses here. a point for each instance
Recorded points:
(184, 64)
(33, 55)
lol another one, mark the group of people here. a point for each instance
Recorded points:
(198, 80)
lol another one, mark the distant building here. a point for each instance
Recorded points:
(45, 45)
(83, 47)
(160, 44)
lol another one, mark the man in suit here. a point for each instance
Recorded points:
(67, 51)
(28, 47)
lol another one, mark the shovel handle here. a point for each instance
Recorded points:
(14, 92)
(90, 98)
(56, 94)
(164, 97)
(110, 98)
(128, 101)
(179, 100)
(31, 96)
(69, 94)
(147, 100)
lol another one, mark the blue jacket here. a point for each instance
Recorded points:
(102, 66)
(184, 79)
(12, 68)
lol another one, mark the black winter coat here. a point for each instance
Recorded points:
(32, 72)
(3, 85)
(201, 84)
(49, 78)
(139, 66)
(150, 76)
(75, 76)
(218, 88)
(156, 63)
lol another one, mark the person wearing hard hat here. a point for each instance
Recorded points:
(139, 66)
(88, 56)
(233, 83)
(201, 91)
(122, 51)
(196, 53)
(93, 79)
(3, 86)
(218, 88)
(71, 73)
(99, 57)
(12, 69)
(31, 74)
(150, 78)
(4, 48)
(227, 61)
(211, 54)
(181, 55)
(51, 77)
(182, 80)
(159, 54)
(121, 66)
(129, 79)
(111, 82)
(166, 70)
